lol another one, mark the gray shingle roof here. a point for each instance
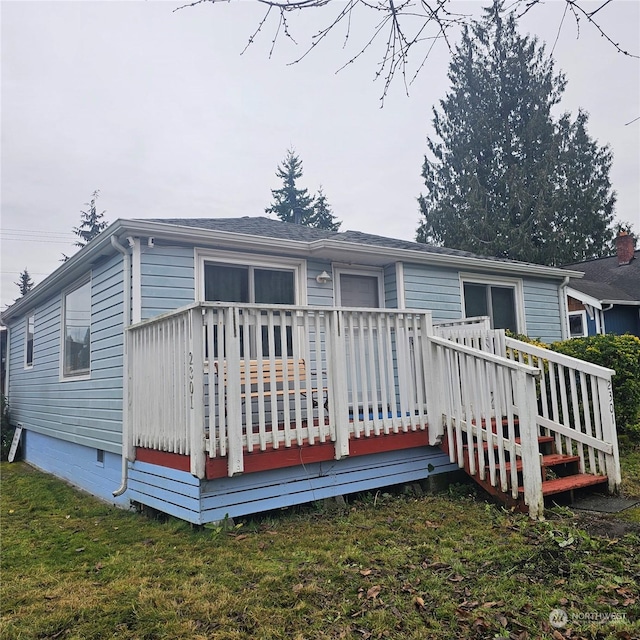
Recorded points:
(605, 279)
(265, 227)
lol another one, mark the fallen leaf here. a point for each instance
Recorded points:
(373, 591)
(419, 602)
(456, 578)
(365, 572)
(241, 537)
(298, 587)
(79, 549)
(431, 525)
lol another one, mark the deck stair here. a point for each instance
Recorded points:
(560, 474)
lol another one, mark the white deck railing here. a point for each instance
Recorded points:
(485, 398)
(223, 379)
(575, 406)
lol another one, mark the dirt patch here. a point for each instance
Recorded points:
(606, 525)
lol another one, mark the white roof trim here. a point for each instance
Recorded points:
(81, 261)
(584, 298)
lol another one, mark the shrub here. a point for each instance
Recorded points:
(621, 353)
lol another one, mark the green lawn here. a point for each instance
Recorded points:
(384, 566)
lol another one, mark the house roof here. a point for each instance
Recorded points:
(263, 234)
(607, 281)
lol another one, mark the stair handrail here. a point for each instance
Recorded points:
(524, 398)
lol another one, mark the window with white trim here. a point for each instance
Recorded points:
(358, 287)
(578, 324)
(263, 284)
(28, 343)
(500, 300)
(76, 331)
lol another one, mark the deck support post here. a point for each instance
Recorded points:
(195, 393)
(609, 433)
(530, 448)
(234, 392)
(338, 399)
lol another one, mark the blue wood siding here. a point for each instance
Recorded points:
(542, 309)
(318, 294)
(433, 288)
(76, 464)
(86, 412)
(621, 320)
(390, 287)
(167, 278)
(180, 494)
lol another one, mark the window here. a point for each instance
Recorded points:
(578, 324)
(28, 346)
(240, 283)
(358, 287)
(499, 301)
(76, 331)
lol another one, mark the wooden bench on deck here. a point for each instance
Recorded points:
(285, 374)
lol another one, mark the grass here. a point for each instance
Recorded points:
(383, 567)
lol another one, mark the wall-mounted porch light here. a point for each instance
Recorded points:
(323, 278)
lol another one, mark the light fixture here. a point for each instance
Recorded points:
(323, 278)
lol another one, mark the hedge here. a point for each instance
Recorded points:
(621, 353)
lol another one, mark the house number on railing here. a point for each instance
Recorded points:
(610, 389)
(191, 378)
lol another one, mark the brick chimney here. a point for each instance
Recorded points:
(625, 245)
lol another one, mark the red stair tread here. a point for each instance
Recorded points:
(578, 481)
(551, 460)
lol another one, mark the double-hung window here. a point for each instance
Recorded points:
(500, 300)
(76, 331)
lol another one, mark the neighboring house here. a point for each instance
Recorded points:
(206, 367)
(607, 298)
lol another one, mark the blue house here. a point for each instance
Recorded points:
(213, 367)
(607, 298)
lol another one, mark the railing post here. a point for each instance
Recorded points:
(195, 393)
(434, 380)
(339, 400)
(530, 448)
(234, 392)
(609, 432)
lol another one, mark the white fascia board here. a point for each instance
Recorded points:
(76, 266)
(246, 241)
(584, 298)
(467, 262)
(623, 303)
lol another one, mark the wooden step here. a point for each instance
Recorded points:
(569, 483)
(548, 461)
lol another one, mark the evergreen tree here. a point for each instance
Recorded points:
(25, 283)
(91, 222)
(323, 217)
(291, 204)
(505, 179)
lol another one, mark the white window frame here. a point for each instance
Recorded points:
(29, 320)
(340, 269)
(514, 283)
(585, 328)
(82, 376)
(231, 258)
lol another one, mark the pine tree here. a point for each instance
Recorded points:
(291, 204)
(91, 222)
(506, 179)
(25, 283)
(323, 217)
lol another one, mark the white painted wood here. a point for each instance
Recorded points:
(233, 392)
(17, 434)
(338, 383)
(195, 381)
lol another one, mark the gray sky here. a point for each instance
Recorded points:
(160, 112)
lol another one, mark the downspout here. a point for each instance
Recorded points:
(126, 321)
(564, 309)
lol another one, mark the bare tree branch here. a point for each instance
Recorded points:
(404, 26)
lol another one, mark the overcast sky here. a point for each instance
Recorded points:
(159, 111)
